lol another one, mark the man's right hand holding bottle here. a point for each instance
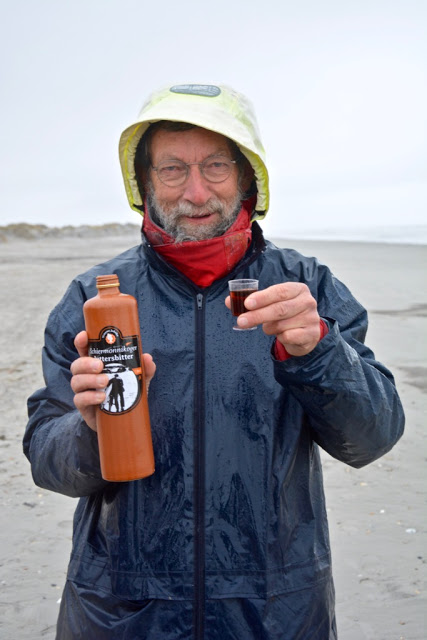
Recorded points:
(88, 381)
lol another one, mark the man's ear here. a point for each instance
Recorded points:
(142, 175)
(247, 175)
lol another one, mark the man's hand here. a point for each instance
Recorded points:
(287, 311)
(88, 381)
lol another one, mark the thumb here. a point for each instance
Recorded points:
(81, 342)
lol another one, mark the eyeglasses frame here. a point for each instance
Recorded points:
(200, 164)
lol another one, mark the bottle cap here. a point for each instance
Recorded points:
(104, 282)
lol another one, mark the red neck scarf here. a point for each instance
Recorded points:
(207, 260)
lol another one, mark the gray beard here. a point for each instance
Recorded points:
(169, 218)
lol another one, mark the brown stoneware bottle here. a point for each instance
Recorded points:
(123, 421)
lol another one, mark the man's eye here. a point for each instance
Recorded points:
(172, 168)
(216, 164)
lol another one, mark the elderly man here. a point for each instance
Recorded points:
(228, 539)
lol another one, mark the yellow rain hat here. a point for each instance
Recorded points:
(215, 107)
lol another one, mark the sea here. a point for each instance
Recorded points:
(414, 234)
(410, 234)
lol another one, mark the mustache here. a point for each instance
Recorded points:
(183, 208)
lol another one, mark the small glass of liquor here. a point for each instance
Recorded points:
(239, 291)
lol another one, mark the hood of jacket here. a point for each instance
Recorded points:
(215, 107)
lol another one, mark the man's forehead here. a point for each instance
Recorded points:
(197, 137)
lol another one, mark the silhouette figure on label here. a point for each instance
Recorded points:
(116, 393)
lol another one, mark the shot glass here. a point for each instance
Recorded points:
(239, 291)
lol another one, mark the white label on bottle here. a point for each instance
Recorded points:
(122, 364)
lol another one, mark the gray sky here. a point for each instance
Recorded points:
(339, 87)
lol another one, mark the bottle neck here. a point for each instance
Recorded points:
(108, 290)
(108, 285)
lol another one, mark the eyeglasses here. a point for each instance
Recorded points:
(174, 173)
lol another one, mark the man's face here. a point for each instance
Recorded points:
(197, 209)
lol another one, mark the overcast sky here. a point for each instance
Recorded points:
(339, 87)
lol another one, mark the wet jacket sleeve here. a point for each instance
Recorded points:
(62, 449)
(349, 398)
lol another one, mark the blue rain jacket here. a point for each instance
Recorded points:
(228, 539)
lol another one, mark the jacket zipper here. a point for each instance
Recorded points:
(199, 473)
(199, 440)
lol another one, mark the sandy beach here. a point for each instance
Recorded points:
(376, 514)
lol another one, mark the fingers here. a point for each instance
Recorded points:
(287, 311)
(278, 303)
(86, 365)
(88, 383)
(86, 402)
(84, 381)
(86, 399)
(276, 293)
(149, 367)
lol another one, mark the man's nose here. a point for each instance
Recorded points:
(196, 188)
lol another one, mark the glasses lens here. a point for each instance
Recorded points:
(216, 168)
(172, 173)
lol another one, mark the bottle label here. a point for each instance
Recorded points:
(122, 364)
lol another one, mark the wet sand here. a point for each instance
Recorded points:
(377, 521)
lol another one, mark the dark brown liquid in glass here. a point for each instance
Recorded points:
(237, 300)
